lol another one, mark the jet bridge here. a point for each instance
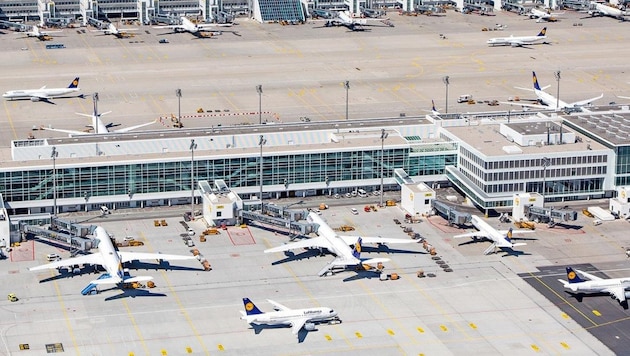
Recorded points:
(294, 227)
(549, 215)
(453, 216)
(63, 232)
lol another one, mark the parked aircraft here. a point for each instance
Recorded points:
(338, 245)
(549, 101)
(296, 318)
(616, 287)
(39, 34)
(344, 18)
(113, 30)
(544, 15)
(500, 239)
(519, 41)
(598, 9)
(98, 126)
(43, 94)
(198, 30)
(111, 260)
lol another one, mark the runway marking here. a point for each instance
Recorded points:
(10, 120)
(132, 319)
(240, 236)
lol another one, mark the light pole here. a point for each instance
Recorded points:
(193, 146)
(557, 75)
(95, 100)
(346, 85)
(261, 143)
(54, 155)
(445, 79)
(178, 93)
(259, 91)
(383, 137)
(545, 164)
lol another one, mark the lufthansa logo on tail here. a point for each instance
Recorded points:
(572, 275)
(75, 82)
(249, 306)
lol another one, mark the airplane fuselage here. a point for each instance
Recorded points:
(30, 93)
(112, 262)
(550, 100)
(285, 317)
(599, 286)
(339, 247)
(511, 41)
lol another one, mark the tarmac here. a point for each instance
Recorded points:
(505, 303)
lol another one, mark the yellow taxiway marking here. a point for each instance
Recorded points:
(444, 328)
(178, 302)
(6, 110)
(565, 345)
(597, 313)
(535, 347)
(420, 330)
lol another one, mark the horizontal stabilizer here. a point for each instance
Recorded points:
(374, 260)
(109, 280)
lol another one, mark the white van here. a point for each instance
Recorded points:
(362, 193)
(464, 98)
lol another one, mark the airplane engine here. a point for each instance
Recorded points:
(627, 294)
(309, 326)
(34, 98)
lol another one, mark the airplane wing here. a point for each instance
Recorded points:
(131, 128)
(70, 132)
(518, 103)
(473, 234)
(297, 325)
(351, 240)
(94, 259)
(618, 293)
(130, 256)
(318, 242)
(587, 101)
(589, 276)
(172, 27)
(278, 306)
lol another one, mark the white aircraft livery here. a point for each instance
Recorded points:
(338, 245)
(198, 30)
(296, 318)
(616, 287)
(344, 18)
(111, 260)
(519, 41)
(500, 239)
(43, 94)
(549, 101)
(98, 126)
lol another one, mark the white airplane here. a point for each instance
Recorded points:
(39, 34)
(500, 239)
(616, 287)
(344, 18)
(113, 30)
(519, 41)
(199, 30)
(296, 318)
(544, 15)
(43, 94)
(111, 260)
(98, 126)
(598, 9)
(549, 101)
(338, 245)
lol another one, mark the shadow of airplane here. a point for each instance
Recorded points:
(580, 297)
(301, 336)
(132, 293)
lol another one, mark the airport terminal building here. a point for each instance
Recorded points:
(560, 157)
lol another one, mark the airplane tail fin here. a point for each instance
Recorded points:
(572, 276)
(74, 83)
(433, 106)
(536, 86)
(543, 32)
(356, 250)
(250, 307)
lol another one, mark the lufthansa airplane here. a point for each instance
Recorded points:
(43, 93)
